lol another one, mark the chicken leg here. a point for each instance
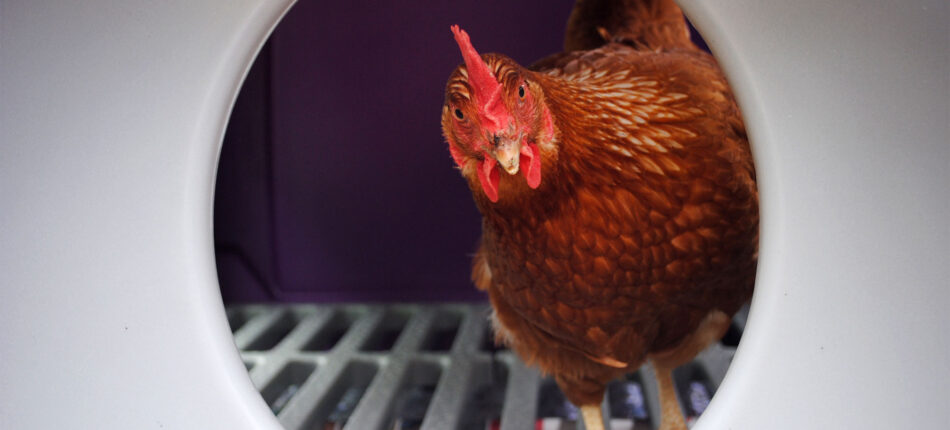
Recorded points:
(671, 416)
(593, 417)
(710, 330)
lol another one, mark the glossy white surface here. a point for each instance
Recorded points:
(847, 106)
(111, 116)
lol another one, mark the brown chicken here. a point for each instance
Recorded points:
(631, 231)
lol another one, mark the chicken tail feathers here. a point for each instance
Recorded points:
(644, 24)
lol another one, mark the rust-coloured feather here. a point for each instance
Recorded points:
(646, 218)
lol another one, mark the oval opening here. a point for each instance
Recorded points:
(335, 187)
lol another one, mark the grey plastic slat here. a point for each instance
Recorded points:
(312, 319)
(447, 404)
(521, 401)
(376, 406)
(715, 360)
(257, 325)
(313, 393)
(415, 331)
(287, 330)
(741, 317)
(651, 392)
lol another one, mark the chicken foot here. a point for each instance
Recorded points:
(710, 330)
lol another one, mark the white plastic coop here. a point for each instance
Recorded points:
(111, 118)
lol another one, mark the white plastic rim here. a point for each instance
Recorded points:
(111, 117)
(847, 106)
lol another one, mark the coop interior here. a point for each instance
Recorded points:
(343, 234)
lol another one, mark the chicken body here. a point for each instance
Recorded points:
(643, 225)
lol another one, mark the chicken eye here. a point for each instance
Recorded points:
(458, 114)
(521, 91)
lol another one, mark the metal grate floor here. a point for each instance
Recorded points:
(430, 367)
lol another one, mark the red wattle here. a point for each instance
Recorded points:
(531, 164)
(489, 177)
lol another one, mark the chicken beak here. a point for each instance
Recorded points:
(508, 154)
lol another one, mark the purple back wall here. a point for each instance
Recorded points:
(335, 183)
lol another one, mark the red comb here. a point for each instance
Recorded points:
(486, 87)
